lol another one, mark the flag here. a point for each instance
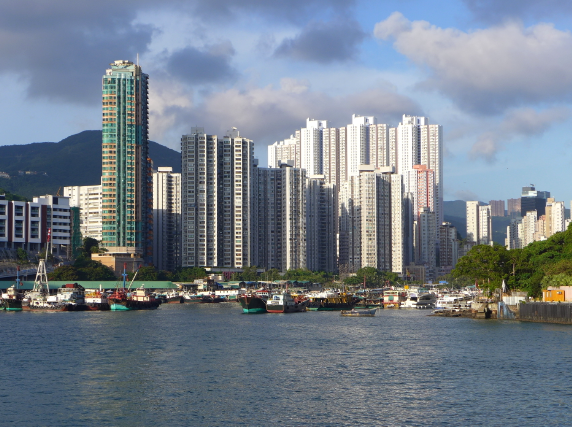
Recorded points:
(503, 286)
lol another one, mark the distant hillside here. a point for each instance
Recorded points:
(75, 160)
(456, 213)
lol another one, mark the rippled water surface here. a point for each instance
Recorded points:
(211, 365)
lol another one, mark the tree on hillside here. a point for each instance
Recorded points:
(189, 274)
(487, 264)
(271, 275)
(66, 272)
(22, 256)
(149, 273)
(373, 278)
(303, 274)
(12, 197)
(249, 274)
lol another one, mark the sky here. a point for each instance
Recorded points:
(497, 75)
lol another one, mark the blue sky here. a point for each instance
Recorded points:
(496, 75)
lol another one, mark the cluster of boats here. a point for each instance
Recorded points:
(264, 301)
(72, 297)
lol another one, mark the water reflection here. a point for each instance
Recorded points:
(210, 365)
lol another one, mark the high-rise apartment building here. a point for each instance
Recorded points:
(311, 146)
(412, 149)
(216, 194)
(497, 207)
(280, 208)
(449, 247)
(513, 207)
(282, 151)
(529, 228)
(479, 223)
(321, 218)
(485, 225)
(366, 221)
(554, 217)
(167, 231)
(533, 200)
(88, 199)
(126, 171)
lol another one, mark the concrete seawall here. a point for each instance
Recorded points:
(546, 312)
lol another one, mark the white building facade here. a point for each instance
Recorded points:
(167, 230)
(88, 199)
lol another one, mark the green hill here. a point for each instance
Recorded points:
(75, 160)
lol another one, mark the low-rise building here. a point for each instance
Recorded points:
(25, 224)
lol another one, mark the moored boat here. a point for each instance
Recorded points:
(72, 296)
(12, 298)
(124, 300)
(285, 303)
(189, 298)
(97, 301)
(252, 303)
(39, 299)
(139, 299)
(358, 313)
(329, 301)
(211, 299)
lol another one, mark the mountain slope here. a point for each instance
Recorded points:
(75, 160)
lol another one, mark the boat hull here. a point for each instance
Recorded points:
(133, 305)
(252, 304)
(12, 305)
(325, 305)
(288, 308)
(358, 313)
(98, 306)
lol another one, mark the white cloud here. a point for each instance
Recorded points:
(487, 70)
(521, 123)
(266, 114)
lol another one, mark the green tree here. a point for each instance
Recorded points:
(272, 274)
(487, 264)
(189, 274)
(90, 246)
(65, 272)
(94, 270)
(249, 274)
(22, 256)
(149, 273)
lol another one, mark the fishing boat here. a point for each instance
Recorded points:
(174, 298)
(285, 303)
(123, 299)
(190, 298)
(329, 301)
(12, 298)
(39, 299)
(252, 303)
(358, 313)
(211, 299)
(72, 296)
(97, 301)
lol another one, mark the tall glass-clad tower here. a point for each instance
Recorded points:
(127, 185)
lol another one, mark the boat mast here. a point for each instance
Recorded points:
(17, 278)
(41, 283)
(124, 273)
(134, 276)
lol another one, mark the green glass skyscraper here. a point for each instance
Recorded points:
(127, 184)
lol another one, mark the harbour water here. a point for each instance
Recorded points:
(211, 365)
